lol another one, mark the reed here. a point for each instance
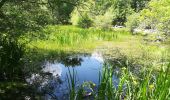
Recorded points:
(148, 86)
(70, 37)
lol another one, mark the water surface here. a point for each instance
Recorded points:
(55, 83)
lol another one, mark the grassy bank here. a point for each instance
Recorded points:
(55, 40)
(69, 38)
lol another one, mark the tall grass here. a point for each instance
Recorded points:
(57, 37)
(150, 85)
(72, 78)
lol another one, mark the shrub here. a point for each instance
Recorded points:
(156, 16)
(75, 17)
(11, 53)
(165, 27)
(80, 19)
(84, 21)
(103, 13)
(122, 8)
(104, 21)
(132, 21)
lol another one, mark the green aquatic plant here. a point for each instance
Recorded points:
(148, 86)
(72, 78)
(106, 87)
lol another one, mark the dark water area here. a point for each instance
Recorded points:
(53, 81)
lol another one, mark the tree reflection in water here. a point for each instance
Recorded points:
(72, 61)
(47, 81)
(50, 78)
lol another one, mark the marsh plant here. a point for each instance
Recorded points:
(148, 86)
(70, 37)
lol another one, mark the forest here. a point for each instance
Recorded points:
(84, 49)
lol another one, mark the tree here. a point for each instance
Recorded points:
(138, 5)
(122, 9)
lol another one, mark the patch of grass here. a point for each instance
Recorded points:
(69, 38)
(53, 40)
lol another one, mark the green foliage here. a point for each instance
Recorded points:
(105, 89)
(138, 5)
(104, 21)
(122, 9)
(100, 13)
(72, 78)
(59, 37)
(132, 21)
(147, 87)
(11, 53)
(61, 10)
(104, 13)
(81, 15)
(156, 16)
(75, 15)
(19, 18)
(142, 86)
(85, 21)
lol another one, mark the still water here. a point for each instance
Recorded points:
(54, 81)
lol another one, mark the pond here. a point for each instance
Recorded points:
(53, 82)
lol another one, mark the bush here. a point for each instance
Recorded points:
(18, 19)
(103, 13)
(87, 19)
(156, 16)
(165, 27)
(122, 9)
(11, 53)
(104, 21)
(84, 22)
(81, 18)
(75, 17)
(132, 21)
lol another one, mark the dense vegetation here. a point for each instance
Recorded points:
(32, 31)
(130, 87)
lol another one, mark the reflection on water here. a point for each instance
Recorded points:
(72, 61)
(54, 69)
(98, 56)
(54, 78)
